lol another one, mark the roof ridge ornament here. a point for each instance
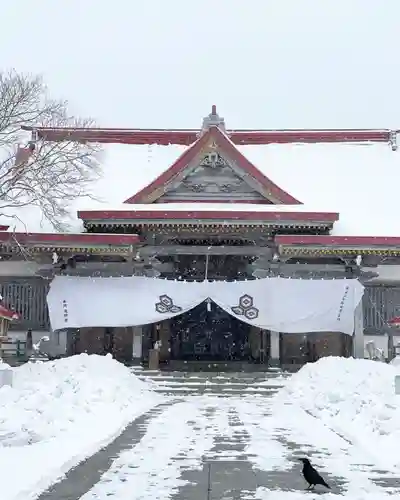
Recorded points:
(213, 120)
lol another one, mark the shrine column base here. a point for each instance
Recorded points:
(358, 337)
(165, 338)
(122, 344)
(137, 344)
(274, 349)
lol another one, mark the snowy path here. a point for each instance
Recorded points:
(81, 478)
(245, 447)
(242, 446)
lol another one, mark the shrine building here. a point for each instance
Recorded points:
(210, 216)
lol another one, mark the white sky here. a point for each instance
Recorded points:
(264, 63)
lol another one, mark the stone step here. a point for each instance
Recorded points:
(221, 381)
(207, 375)
(241, 376)
(183, 377)
(213, 392)
(211, 385)
(214, 384)
(214, 366)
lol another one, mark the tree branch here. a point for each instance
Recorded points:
(56, 173)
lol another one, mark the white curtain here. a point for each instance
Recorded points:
(279, 304)
(292, 305)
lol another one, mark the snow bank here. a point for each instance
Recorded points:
(59, 413)
(356, 399)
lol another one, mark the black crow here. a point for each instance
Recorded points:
(311, 475)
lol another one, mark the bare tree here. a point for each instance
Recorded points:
(48, 175)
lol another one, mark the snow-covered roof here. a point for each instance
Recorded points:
(361, 182)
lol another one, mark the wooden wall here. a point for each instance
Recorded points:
(100, 340)
(27, 296)
(296, 348)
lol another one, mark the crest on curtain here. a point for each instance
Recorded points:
(166, 305)
(246, 308)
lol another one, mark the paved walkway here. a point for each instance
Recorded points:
(231, 475)
(228, 470)
(84, 476)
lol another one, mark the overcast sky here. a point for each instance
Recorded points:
(163, 63)
(265, 63)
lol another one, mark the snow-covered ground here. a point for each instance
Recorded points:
(356, 399)
(342, 413)
(152, 467)
(59, 413)
(327, 411)
(264, 494)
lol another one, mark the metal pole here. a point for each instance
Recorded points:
(209, 483)
(206, 270)
(205, 279)
(391, 352)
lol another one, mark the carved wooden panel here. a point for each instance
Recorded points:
(212, 178)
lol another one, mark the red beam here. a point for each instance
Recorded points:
(197, 215)
(340, 241)
(187, 137)
(222, 201)
(244, 137)
(118, 136)
(54, 239)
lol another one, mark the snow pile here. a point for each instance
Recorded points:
(356, 399)
(395, 361)
(65, 411)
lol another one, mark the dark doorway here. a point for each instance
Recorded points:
(209, 335)
(108, 341)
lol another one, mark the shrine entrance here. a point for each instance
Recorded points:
(208, 333)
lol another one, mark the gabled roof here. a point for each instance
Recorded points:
(213, 136)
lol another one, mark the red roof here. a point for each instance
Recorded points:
(155, 190)
(60, 239)
(147, 213)
(340, 241)
(8, 313)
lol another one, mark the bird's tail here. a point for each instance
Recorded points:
(326, 485)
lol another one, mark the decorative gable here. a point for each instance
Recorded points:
(213, 179)
(212, 169)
